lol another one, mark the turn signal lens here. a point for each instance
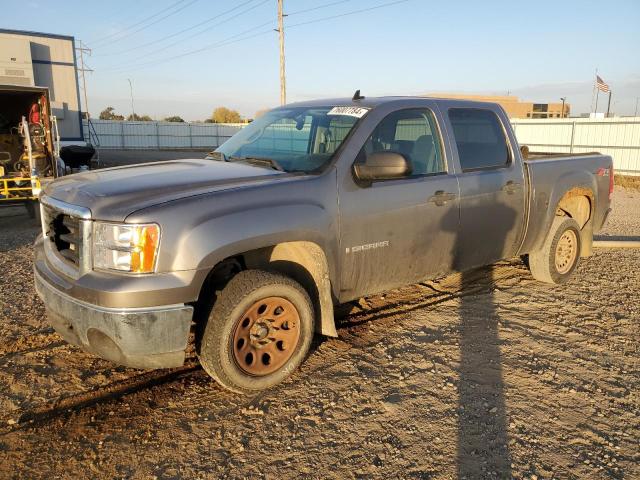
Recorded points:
(125, 247)
(145, 241)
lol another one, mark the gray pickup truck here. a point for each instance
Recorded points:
(313, 204)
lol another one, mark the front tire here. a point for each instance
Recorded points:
(559, 255)
(259, 331)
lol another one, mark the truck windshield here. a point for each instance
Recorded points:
(301, 139)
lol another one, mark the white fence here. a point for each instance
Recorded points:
(618, 137)
(158, 135)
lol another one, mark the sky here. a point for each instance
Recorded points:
(186, 57)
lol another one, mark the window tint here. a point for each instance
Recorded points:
(283, 136)
(298, 138)
(411, 133)
(480, 138)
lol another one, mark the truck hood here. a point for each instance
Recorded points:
(114, 193)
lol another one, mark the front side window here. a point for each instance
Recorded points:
(413, 134)
(298, 139)
(480, 139)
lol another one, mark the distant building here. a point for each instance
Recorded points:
(513, 106)
(45, 60)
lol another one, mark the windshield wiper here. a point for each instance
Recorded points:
(218, 156)
(259, 161)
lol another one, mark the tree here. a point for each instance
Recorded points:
(174, 118)
(225, 115)
(139, 118)
(110, 114)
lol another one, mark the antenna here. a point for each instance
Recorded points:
(357, 96)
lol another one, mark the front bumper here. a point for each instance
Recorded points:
(148, 337)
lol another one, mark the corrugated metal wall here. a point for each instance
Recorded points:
(618, 137)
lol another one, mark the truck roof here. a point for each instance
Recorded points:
(373, 102)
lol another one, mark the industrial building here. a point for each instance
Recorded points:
(45, 60)
(514, 107)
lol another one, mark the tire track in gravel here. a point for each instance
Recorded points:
(383, 310)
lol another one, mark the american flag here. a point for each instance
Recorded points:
(603, 87)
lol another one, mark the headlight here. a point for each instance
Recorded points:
(125, 247)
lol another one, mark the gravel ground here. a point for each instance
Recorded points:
(487, 374)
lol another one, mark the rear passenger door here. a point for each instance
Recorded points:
(492, 191)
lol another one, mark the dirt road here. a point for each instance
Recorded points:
(482, 375)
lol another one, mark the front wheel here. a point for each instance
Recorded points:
(259, 331)
(559, 255)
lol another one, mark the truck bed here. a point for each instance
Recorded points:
(550, 176)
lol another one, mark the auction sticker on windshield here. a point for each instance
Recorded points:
(358, 112)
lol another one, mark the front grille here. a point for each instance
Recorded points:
(63, 231)
(66, 237)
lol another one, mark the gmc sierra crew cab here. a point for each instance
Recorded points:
(313, 204)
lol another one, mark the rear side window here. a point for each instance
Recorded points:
(480, 139)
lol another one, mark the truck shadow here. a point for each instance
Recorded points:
(482, 417)
(482, 443)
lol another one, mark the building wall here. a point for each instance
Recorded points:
(513, 106)
(52, 65)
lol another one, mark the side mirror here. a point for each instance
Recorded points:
(382, 166)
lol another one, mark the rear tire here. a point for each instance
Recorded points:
(259, 331)
(559, 255)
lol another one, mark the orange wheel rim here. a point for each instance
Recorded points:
(265, 336)
(566, 251)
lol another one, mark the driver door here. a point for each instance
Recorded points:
(399, 231)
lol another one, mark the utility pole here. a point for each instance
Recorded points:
(133, 110)
(82, 71)
(609, 104)
(564, 99)
(635, 113)
(283, 84)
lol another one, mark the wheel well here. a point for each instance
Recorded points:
(576, 203)
(302, 261)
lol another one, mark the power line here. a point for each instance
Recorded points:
(353, 12)
(162, 39)
(298, 12)
(144, 27)
(134, 62)
(115, 34)
(214, 25)
(221, 43)
(234, 39)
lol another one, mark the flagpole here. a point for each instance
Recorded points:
(597, 94)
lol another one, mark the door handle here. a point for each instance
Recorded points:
(441, 197)
(510, 187)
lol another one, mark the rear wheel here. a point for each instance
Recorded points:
(259, 331)
(558, 257)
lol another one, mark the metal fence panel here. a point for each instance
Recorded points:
(159, 135)
(618, 137)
